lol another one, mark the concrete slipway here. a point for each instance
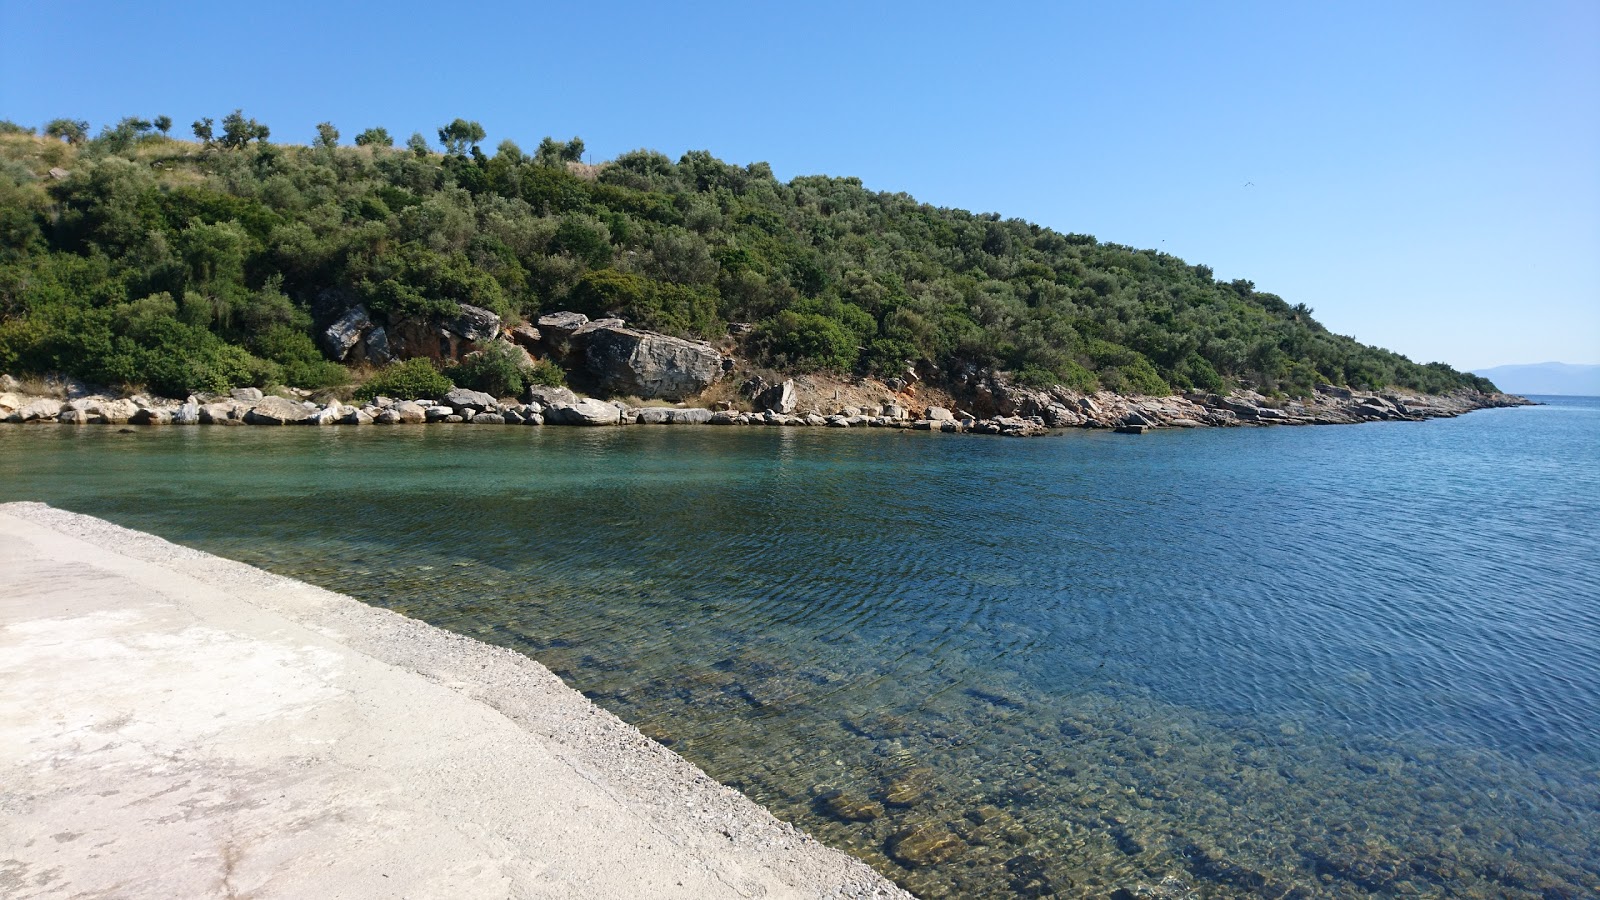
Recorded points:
(174, 724)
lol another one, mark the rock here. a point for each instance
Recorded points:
(355, 416)
(387, 417)
(73, 417)
(850, 808)
(376, 347)
(653, 415)
(328, 415)
(924, 845)
(461, 398)
(277, 411)
(550, 396)
(526, 336)
(487, 418)
(151, 417)
(939, 414)
(411, 412)
(216, 413)
(562, 324)
(116, 412)
(340, 337)
(779, 398)
(187, 414)
(649, 365)
(475, 324)
(437, 413)
(723, 417)
(584, 412)
(1132, 429)
(246, 395)
(894, 411)
(9, 384)
(692, 416)
(43, 408)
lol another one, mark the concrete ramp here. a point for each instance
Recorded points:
(174, 724)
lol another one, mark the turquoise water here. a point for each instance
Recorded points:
(1293, 662)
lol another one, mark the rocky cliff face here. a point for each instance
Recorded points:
(649, 365)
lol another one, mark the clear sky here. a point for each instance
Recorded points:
(1426, 176)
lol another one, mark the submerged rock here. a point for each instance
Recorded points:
(851, 808)
(924, 845)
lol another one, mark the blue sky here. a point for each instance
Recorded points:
(1426, 176)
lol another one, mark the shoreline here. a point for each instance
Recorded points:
(177, 723)
(998, 410)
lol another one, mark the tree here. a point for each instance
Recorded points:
(237, 131)
(202, 130)
(327, 136)
(552, 152)
(417, 144)
(163, 124)
(459, 135)
(73, 131)
(375, 137)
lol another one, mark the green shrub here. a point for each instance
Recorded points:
(547, 374)
(414, 379)
(499, 370)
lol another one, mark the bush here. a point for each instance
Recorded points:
(414, 379)
(547, 374)
(499, 370)
(810, 341)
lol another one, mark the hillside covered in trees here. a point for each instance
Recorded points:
(136, 258)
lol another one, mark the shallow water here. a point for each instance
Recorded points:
(1317, 662)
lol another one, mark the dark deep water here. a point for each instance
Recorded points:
(1316, 662)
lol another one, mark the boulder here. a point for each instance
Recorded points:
(246, 395)
(277, 411)
(474, 323)
(43, 408)
(487, 418)
(779, 398)
(939, 414)
(561, 324)
(461, 398)
(924, 845)
(376, 347)
(526, 336)
(72, 417)
(152, 417)
(340, 337)
(584, 412)
(543, 396)
(649, 365)
(9, 401)
(692, 416)
(653, 415)
(387, 417)
(115, 412)
(411, 413)
(332, 414)
(355, 416)
(187, 414)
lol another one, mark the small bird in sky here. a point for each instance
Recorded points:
(1249, 184)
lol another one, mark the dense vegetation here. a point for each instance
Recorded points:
(192, 265)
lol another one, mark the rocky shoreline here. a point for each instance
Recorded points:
(1011, 411)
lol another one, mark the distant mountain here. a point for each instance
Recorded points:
(1545, 378)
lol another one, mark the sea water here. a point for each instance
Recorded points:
(1278, 662)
